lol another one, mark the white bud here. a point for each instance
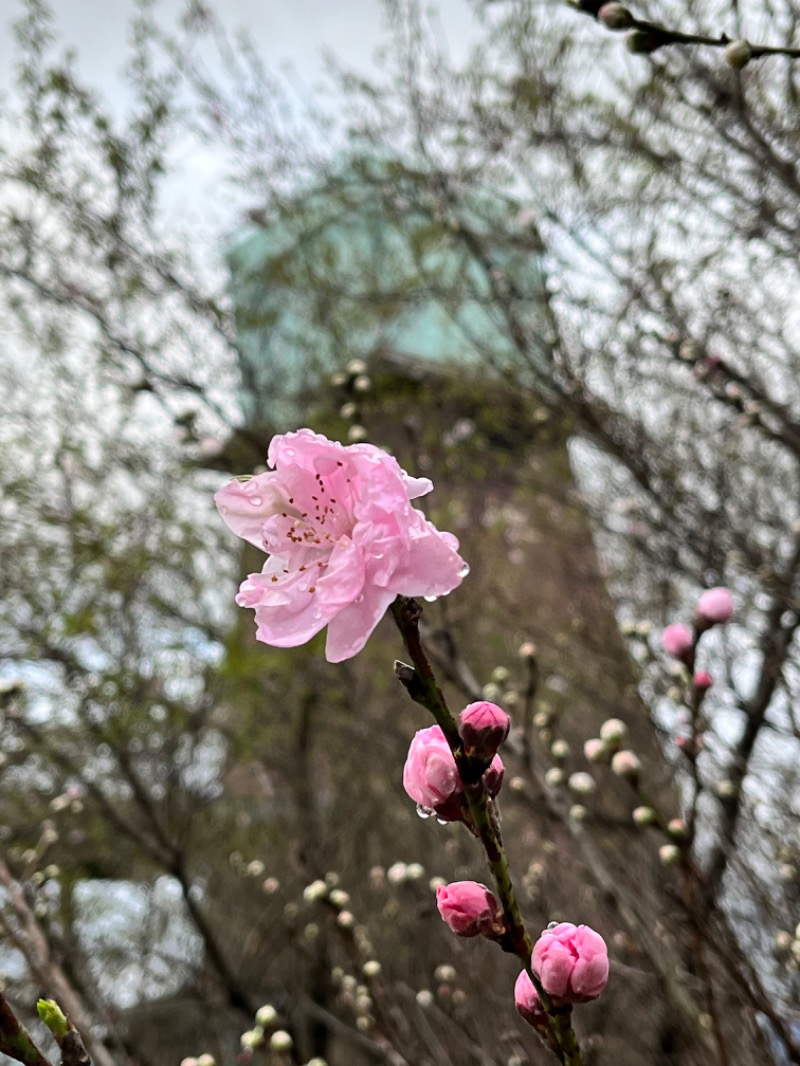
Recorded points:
(626, 764)
(396, 874)
(643, 816)
(280, 1041)
(252, 1039)
(266, 1016)
(314, 892)
(613, 731)
(559, 750)
(582, 784)
(554, 777)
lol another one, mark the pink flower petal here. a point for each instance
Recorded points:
(349, 630)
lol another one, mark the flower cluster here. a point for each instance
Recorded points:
(343, 541)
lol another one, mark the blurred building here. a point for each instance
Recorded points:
(376, 262)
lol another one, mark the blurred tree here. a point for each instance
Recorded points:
(158, 758)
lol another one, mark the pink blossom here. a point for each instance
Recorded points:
(469, 908)
(431, 778)
(702, 681)
(343, 541)
(714, 607)
(483, 727)
(678, 641)
(527, 1002)
(572, 963)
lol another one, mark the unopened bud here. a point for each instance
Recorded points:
(582, 784)
(677, 829)
(626, 764)
(314, 892)
(738, 54)
(266, 1016)
(669, 854)
(483, 727)
(678, 641)
(280, 1041)
(613, 731)
(615, 17)
(470, 909)
(595, 750)
(644, 816)
(252, 1039)
(714, 607)
(702, 681)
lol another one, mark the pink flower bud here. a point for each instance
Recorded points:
(469, 909)
(702, 681)
(596, 750)
(494, 776)
(483, 727)
(431, 778)
(527, 1002)
(430, 775)
(714, 607)
(678, 641)
(626, 764)
(572, 963)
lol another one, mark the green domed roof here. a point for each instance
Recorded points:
(367, 264)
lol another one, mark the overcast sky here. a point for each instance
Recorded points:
(293, 31)
(290, 34)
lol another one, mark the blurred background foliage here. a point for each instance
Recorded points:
(567, 277)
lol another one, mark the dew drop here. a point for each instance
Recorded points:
(464, 570)
(423, 812)
(430, 599)
(256, 501)
(441, 821)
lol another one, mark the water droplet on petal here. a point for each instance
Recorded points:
(423, 812)
(256, 501)
(464, 570)
(430, 599)
(441, 821)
